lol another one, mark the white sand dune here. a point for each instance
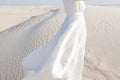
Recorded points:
(102, 58)
(15, 15)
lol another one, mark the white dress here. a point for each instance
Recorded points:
(64, 54)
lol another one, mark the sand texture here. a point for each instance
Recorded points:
(102, 57)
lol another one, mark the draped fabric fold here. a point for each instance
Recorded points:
(71, 47)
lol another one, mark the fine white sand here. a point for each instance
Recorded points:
(37, 25)
(10, 16)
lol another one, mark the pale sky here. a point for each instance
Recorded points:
(55, 2)
(30, 2)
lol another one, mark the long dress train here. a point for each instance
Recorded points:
(65, 52)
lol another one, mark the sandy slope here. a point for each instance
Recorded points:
(10, 16)
(102, 58)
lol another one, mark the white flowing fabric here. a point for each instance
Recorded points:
(66, 51)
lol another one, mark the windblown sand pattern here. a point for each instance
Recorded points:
(102, 58)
